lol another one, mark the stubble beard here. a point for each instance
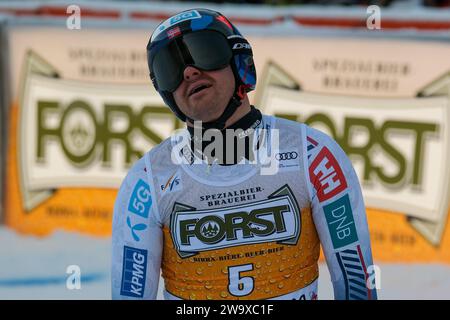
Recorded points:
(208, 107)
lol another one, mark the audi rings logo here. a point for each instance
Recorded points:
(286, 155)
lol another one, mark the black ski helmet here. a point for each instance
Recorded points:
(206, 40)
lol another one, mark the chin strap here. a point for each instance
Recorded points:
(233, 104)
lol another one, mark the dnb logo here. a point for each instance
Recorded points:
(341, 224)
(276, 219)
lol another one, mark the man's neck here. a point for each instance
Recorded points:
(240, 112)
(248, 121)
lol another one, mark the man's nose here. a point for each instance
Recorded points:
(190, 73)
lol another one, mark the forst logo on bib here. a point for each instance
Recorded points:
(211, 230)
(276, 219)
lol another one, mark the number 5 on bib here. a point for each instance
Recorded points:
(240, 286)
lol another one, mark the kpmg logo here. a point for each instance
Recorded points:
(133, 272)
(140, 204)
(276, 219)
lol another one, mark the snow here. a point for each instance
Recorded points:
(35, 268)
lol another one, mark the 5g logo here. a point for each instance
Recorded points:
(140, 204)
(73, 281)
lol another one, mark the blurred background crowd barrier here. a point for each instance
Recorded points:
(77, 106)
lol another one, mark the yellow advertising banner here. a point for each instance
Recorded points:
(400, 148)
(80, 116)
(83, 110)
(3, 116)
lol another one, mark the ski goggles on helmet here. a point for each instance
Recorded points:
(206, 50)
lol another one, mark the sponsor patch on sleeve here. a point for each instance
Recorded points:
(141, 199)
(340, 222)
(134, 272)
(326, 175)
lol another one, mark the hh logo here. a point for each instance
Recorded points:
(276, 219)
(326, 175)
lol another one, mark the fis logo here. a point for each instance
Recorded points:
(276, 219)
(133, 273)
(172, 184)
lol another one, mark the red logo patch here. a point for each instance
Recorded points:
(326, 175)
(224, 20)
(173, 32)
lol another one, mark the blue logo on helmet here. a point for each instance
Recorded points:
(202, 23)
(188, 15)
(183, 16)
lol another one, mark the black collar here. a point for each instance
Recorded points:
(249, 121)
